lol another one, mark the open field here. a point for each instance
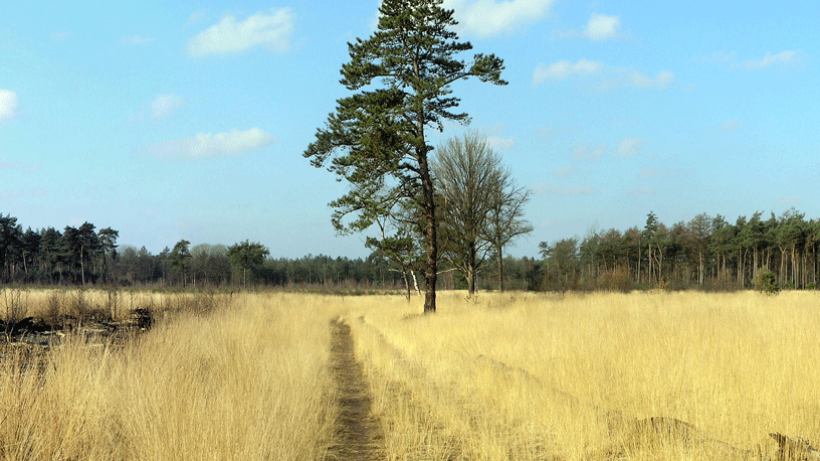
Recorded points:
(514, 376)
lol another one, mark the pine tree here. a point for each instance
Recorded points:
(376, 139)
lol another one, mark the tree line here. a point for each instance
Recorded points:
(76, 255)
(86, 256)
(704, 252)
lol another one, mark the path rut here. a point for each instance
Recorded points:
(358, 434)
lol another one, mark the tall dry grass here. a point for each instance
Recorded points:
(497, 377)
(526, 376)
(248, 382)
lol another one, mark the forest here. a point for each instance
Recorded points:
(706, 252)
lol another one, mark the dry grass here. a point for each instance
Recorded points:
(497, 377)
(528, 376)
(248, 382)
(17, 303)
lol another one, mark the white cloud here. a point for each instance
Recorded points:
(499, 143)
(629, 147)
(552, 190)
(588, 152)
(610, 77)
(784, 58)
(487, 18)
(602, 27)
(565, 171)
(229, 36)
(165, 104)
(205, 145)
(8, 104)
(137, 40)
(627, 77)
(565, 69)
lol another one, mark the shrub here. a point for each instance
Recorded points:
(766, 282)
(615, 280)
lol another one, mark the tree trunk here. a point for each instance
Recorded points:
(406, 282)
(500, 271)
(471, 271)
(431, 269)
(82, 265)
(782, 275)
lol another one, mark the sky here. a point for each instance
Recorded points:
(188, 119)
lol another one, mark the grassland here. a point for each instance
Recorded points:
(497, 377)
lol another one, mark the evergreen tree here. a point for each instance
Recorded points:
(180, 259)
(378, 137)
(247, 255)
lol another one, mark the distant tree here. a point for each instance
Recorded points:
(127, 265)
(10, 243)
(791, 234)
(160, 263)
(468, 174)
(30, 245)
(562, 263)
(505, 223)
(753, 237)
(650, 238)
(482, 206)
(378, 136)
(79, 244)
(697, 237)
(210, 263)
(50, 253)
(108, 249)
(180, 259)
(721, 244)
(247, 255)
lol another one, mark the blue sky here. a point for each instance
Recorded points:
(172, 120)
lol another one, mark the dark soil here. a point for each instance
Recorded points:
(34, 333)
(358, 434)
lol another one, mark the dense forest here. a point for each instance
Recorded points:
(706, 252)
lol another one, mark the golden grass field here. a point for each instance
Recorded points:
(513, 376)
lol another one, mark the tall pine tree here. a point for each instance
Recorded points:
(376, 138)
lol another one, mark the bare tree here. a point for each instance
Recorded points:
(482, 205)
(466, 170)
(505, 220)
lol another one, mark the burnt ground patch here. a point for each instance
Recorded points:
(33, 334)
(357, 435)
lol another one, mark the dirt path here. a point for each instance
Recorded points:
(358, 435)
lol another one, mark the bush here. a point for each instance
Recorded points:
(615, 280)
(766, 282)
